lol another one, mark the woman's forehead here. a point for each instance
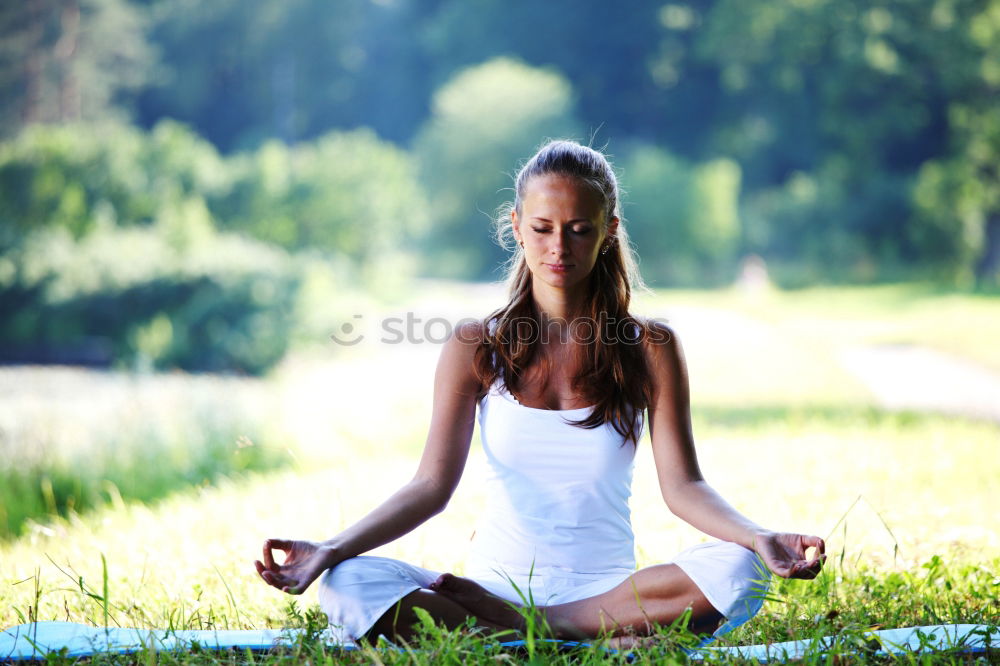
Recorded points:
(558, 192)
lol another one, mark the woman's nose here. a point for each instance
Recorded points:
(559, 243)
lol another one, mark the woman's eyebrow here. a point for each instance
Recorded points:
(573, 221)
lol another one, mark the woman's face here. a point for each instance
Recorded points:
(562, 226)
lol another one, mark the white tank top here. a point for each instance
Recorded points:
(557, 493)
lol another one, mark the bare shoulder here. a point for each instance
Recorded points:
(469, 331)
(659, 338)
(456, 364)
(662, 350)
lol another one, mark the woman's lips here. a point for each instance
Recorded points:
(560, 268)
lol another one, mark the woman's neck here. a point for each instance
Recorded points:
(557, 304)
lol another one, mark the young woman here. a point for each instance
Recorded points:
(565, 380)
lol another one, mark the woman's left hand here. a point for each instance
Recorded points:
(304, 562)
(785, 554)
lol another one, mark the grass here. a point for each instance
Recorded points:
(178, 564)
(906, 501)
(841, 604)
(76, 440)
(959, 323)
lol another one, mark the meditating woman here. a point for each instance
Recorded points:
(565, 379)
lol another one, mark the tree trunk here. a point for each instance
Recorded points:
(988, 266)
(33, 62)
(65, 52)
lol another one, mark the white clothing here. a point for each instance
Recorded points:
(358, 591)
(556, 529)
(557, 493)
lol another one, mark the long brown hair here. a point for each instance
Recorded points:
(613, 374)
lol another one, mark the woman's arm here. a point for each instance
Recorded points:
(445, 453)
(682, 485)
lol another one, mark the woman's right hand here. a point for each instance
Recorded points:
(304, 562)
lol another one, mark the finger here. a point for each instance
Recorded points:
(815, 562)
(268, 576)
(783, 570)
(263, 572)
(817, 566)
(809, 541)
(279, 544)
(809, 570)
(278, 580)
(805, 574)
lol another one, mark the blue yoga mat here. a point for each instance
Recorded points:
(35, 640)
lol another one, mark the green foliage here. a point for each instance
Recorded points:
(108, 240)
(348, 193)
(847, 599)
(57, 176)
(860, 137)
(958, 200)
(243, 71)
(483, 121)
(78, 176)
(224, 305)
(835, 611)
(832, 225)
(837, 106)
(683, 219)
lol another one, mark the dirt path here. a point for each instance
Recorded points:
(910, 377)
(898, 377)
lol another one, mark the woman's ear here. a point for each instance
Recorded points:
(515, 224)
(612, 228)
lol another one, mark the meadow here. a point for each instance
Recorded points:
(906, 499)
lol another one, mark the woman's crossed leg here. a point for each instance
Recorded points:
(653, 596)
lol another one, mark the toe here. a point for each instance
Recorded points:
(444, 583)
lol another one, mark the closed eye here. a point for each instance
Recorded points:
(578, 231)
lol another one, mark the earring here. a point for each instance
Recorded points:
(522, 243)
(604, 250)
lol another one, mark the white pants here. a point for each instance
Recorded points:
(358, 591)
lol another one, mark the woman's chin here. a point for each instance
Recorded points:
(561, 281)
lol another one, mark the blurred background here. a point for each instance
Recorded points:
(194, 196)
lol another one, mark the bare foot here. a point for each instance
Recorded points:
(479, 601)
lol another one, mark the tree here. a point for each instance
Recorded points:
(244, 71)
(69, 60)
(346, 193)
(605, 49)
(852, 97)
(958, 202)
(683, 218)
(76, 175)
(483, 121)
